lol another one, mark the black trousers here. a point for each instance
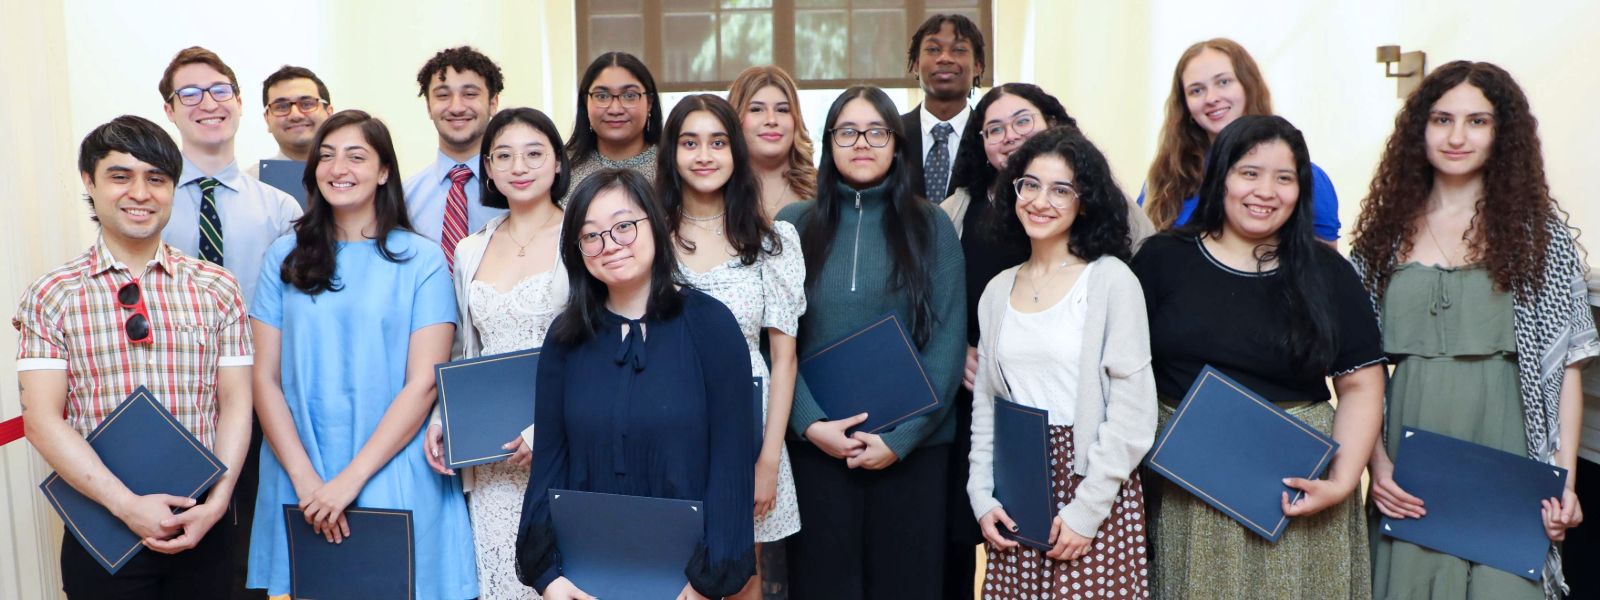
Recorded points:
(199, 572)
(868, 534)
(961, 551)
(1581, 551)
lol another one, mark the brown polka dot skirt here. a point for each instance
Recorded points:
(1116, 567)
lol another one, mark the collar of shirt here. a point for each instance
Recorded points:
(442, 167)
(102, 260)
(928, 121)
(229, 176)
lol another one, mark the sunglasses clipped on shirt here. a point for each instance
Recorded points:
(137, 325)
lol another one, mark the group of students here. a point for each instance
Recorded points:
(661, 262)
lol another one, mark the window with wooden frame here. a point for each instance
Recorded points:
(703, 44)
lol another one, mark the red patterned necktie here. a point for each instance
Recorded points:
(455, 214)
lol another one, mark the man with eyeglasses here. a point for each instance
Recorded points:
(135, 311)
(221, 215)
(462, 87)
(295, 102)
(946, 57)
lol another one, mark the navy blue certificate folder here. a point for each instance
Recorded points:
(1232, 448)
(1482, 503)
(615, 546)
(376, 562)
(286, 175)
(1022, 477)
(874, 370)
(151, 453)
(485, 402)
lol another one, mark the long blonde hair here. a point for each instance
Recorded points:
(802, 175)
(1180, 158)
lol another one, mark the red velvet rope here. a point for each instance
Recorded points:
(10, 430)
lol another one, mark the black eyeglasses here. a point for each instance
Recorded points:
(137, 325)
(624, 233)
(281, 108)
(192, 95)
(877, 137)
(629, 98)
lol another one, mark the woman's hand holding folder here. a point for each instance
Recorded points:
(1390, 499)
(563, 589)
(1066, 544)
(990, 524)
(830, 437)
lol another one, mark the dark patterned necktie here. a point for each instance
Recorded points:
(936, 169)
(210, 222)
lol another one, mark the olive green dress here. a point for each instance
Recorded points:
(1449, 334)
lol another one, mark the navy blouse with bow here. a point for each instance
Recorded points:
(667, 415)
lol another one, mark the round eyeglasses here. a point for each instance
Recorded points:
(1059, 195)
(624, 233)
(994, 132)
(501, 160)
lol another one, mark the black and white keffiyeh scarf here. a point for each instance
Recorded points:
(1554, 328)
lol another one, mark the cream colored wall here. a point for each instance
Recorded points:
(367, 52)
(70, 66)
(1111, 64)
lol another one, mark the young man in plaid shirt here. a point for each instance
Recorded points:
(133, 311)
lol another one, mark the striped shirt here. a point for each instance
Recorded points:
(69, 320)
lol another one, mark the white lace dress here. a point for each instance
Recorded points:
(506, 322)
(768, 294)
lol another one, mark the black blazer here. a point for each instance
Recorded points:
(911, 123)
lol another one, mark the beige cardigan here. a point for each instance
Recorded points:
(1114, 423)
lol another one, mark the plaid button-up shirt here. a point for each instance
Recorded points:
(69, 320)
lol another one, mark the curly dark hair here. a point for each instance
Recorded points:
(462, 59)
(1101, 227)
(1507, 234)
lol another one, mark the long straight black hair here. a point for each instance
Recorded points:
(1311, 339)
(744, 224)
(584, 142)
(311, 265)
(581, 319)
(907, 224)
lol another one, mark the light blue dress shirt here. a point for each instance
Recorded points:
(253, 215)
(428, 191)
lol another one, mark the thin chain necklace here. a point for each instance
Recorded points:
(522, 247)
(701, 222)
(1427, 225)
(1049, 273)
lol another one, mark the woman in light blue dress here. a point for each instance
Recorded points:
(351, 314)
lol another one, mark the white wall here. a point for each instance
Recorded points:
(1111, 64)
(72, 65)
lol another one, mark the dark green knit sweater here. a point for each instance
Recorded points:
(856, 286)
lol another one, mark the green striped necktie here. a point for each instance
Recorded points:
(210, 222)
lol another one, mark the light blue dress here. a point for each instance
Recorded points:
(343, 361)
